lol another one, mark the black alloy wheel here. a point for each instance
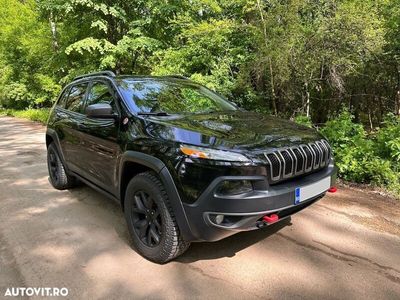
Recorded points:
(53, 165)
(151, 219)
(57, 172)
(146, 219)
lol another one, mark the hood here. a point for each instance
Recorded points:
(236, 130)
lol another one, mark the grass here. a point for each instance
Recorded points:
(34, 114)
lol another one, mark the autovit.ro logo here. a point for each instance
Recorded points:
(36, 291)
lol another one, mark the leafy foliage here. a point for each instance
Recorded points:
(363, 157)
(25, 57)
(37, 115)
(284, 57)
(303, 120)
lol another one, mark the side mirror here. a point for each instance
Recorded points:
(100, 110)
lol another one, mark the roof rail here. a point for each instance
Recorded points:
(104, 73)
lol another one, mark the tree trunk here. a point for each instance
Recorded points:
(264, 28)
(371, 125)
(307, 100)
(274, 107)
(53, 28)
(397, 96)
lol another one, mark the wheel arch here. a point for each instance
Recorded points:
(52, 137)
(145, 162)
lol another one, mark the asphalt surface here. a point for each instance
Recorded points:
(346, 246)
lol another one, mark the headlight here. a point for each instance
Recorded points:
(207, 153)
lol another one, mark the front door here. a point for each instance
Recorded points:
(100, 148)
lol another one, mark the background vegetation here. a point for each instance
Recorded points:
(332, 62)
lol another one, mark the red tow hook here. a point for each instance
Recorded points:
(271, 219)
(332, 189)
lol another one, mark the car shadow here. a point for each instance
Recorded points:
(228, 247)
(198, 251)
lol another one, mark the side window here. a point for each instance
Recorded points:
(76, 98)
(100, 93)
(63, 98)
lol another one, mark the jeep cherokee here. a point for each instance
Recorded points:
(184, 163)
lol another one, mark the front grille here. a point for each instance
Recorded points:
(289, 162)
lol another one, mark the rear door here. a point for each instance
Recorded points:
(70, 122)
(100, 148)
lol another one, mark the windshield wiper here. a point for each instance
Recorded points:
(161, 113)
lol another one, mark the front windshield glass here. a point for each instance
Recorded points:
(150, 96)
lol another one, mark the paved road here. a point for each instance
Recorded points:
(345, 246)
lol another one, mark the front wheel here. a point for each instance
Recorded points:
(151, 221)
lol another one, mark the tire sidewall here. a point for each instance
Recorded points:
(64, 181)
(52, 149)
(143, 183)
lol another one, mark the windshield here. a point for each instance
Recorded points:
(148, 96)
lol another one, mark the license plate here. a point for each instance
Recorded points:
(309, 191)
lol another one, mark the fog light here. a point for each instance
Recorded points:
(219, 219)
(234, 187)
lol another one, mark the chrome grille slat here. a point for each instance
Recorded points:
(271, 163)
(289, 162)
(292, 161)
(328, 147)
(309, 158)
(314, 156)
(279, 154)
(324, 152)
(300, 160)
(317, 157)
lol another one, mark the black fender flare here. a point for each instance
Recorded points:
(54, 136)
(160, 168)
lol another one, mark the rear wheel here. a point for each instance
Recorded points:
(59, 178)
(151, 221)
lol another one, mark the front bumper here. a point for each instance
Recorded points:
(244, 212)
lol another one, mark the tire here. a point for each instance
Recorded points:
(149, 214)
(59, 178)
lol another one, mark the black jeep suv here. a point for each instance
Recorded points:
(184, 163)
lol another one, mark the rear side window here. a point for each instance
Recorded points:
(76, 98)
(100, 93)
(63, 98)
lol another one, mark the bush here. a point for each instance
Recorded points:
(38, 94)
(388, 140)
(303, 120)
(15, 95)
(37, 115)
(366, 157)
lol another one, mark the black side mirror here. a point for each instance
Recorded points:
(100, 110)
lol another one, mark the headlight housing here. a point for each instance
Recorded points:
(212, 154)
